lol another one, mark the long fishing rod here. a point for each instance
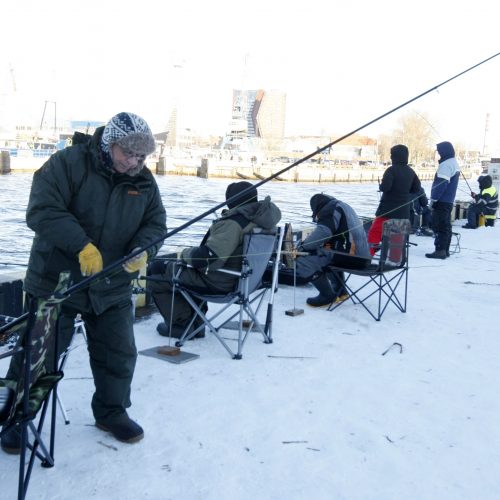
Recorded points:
(465, 179)
(107, 269)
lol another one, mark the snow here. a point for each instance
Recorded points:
(318, 414)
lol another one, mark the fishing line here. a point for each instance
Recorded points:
(87, 281)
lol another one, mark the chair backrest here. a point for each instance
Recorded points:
(258, 247)
(394, 246)
(40, 327)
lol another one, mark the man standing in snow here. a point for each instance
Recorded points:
(443, 191)
(90, 205)
(399, 186)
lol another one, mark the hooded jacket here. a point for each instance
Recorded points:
(444, 186)
(487, 200)
(399, 182)
(75, 199)
(222, 246)
(337, 224)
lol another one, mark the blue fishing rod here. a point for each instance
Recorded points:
(87, 281)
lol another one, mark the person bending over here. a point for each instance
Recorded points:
(338, 229)
(90, 205)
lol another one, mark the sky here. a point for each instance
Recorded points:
(321, 413)
(341, 64)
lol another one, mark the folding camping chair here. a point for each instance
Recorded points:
(383, 275)
(28, 397)
(259, 248)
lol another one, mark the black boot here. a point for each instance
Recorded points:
(437, 254)
(11, 441)
(326, 294)
(122, 428)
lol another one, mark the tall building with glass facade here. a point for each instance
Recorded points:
(262, 112)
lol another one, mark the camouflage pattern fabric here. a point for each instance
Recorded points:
(396, 231)
(40, 338)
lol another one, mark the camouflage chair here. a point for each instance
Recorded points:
(377, 284)
(21, 401)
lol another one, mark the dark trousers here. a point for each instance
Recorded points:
(112, 352)
(173, 306)
(473, 213)
(441, 224)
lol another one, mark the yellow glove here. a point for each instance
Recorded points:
(135, 263)
(90, 260)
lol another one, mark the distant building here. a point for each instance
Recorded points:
(258, 116)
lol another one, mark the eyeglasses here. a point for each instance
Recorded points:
(130, 155)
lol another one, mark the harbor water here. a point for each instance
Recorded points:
(184, 197)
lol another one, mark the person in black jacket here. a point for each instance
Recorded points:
(399, 182)
(90, 205)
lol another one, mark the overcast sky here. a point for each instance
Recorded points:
(341, 64)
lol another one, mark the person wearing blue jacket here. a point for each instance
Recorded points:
(443, 191)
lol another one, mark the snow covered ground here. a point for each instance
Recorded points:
(319, 414)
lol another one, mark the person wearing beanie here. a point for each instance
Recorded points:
(91, 204)
(338, 229)
(399, 183)
(443, 192)
(485, 203)
(221, 248)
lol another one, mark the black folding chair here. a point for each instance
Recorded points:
(27, 398)
(259, 248)
(380, 282)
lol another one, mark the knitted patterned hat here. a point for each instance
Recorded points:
(128, 131)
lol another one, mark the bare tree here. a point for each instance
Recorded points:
(416, 132)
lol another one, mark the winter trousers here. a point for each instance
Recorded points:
(473, 213)
(441, 224)
(174, 307)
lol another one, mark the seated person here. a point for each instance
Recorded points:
(221, 248)
(420, 214)
(338, 229)
(485, 203)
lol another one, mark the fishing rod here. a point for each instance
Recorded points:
(114, 265)
(465, 179)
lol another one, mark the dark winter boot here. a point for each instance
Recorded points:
(326, 294)
(11, 441)
(437, 254)
(123, 428)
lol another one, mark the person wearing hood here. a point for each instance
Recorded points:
(399, 183)
(485, 203)
(90, 205)
(443, 192)
(221, 248)
(338, 229)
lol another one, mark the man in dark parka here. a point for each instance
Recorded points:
(90, 205)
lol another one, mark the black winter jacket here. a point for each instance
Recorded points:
(398, 183)
(75, 200)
